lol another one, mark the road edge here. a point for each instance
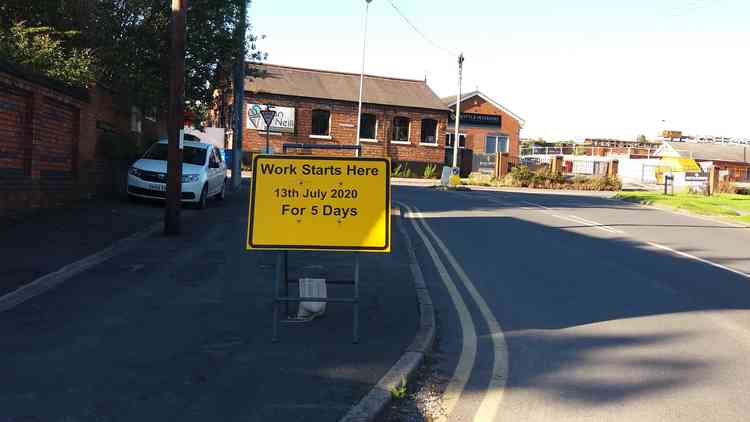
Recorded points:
(49, 281)
(372, 405)
(666, 208)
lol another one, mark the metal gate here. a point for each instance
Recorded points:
(483, 163)
(648, 174)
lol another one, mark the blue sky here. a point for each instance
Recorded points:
(579, 68)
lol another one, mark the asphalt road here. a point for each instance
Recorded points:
(579, 308)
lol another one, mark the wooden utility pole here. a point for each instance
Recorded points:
(239, 98)
(175, 117)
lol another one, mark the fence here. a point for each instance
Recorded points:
(588, 151)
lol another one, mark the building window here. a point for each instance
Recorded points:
(490, 144)
(429, 131)
(495, 143)
(321, 122)
(368, 125)
(449, 137)
(503, 144)
(400, 129)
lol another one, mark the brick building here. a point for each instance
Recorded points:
(48, 138)
(401, 118)
(486, 126)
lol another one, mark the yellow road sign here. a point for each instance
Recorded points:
(321, 203)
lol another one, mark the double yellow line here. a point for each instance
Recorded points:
(494, 392)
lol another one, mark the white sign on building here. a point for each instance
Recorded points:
(283, 122)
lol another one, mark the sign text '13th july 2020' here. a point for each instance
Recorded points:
(321, 203)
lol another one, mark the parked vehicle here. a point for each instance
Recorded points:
(203, 173)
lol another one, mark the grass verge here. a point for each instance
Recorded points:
(735, 207)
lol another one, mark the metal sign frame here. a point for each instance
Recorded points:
(282, 259)
(342, 248)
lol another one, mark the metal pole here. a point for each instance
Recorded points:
(268, 137)
(285, 274)
(356, 299)
(458, 110)
(175, 118)
(239, 99)
(362, 76)
(275, 337)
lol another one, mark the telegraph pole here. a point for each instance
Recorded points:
(362, 76)
(458, 110)
(175, 117)
(239, 98)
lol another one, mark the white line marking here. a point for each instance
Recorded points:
(468, 354)
(494, 394)
(653, 244)
(591, 223)
(705, 261)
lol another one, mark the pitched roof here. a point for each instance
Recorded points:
(711, 152)
(450, 101)
(311, 83)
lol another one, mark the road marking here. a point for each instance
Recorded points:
(591, 223)
(653, 244)
(494, 394)
(703, 260)
(468, 353)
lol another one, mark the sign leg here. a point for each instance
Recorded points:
(276, 303)
(286, 280)
(356, 298)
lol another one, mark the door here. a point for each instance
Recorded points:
(214, 172)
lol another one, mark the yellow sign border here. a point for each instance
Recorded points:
(251, 212)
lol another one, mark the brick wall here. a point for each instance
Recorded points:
(475, 135)
(343, 129)
(48, 136)
(40, 144)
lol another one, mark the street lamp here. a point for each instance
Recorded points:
(362, 75)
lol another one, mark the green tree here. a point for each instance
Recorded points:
(43, 50)
(128, 40)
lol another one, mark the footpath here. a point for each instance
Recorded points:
(179, 329)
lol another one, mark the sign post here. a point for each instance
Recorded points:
(268, 116)
(322, 203)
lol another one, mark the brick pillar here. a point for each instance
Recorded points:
(501, 164)
(557, 165)
(713, 180)
(612, 168)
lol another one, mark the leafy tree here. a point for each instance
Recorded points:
(641, 138)
(42, 49)
(129, 40)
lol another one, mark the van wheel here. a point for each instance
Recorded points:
(201, 204)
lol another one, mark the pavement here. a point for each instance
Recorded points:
(577, 307)
(42, 242)
(179, 328)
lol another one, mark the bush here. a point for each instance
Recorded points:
(543, 178)
(605, 183)
(726, 186)
(402, 170)
(519, 176)
(430, 171)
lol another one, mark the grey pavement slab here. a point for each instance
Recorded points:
(36, 244)
(179, 329)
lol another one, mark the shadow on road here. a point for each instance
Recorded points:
(595, 320)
